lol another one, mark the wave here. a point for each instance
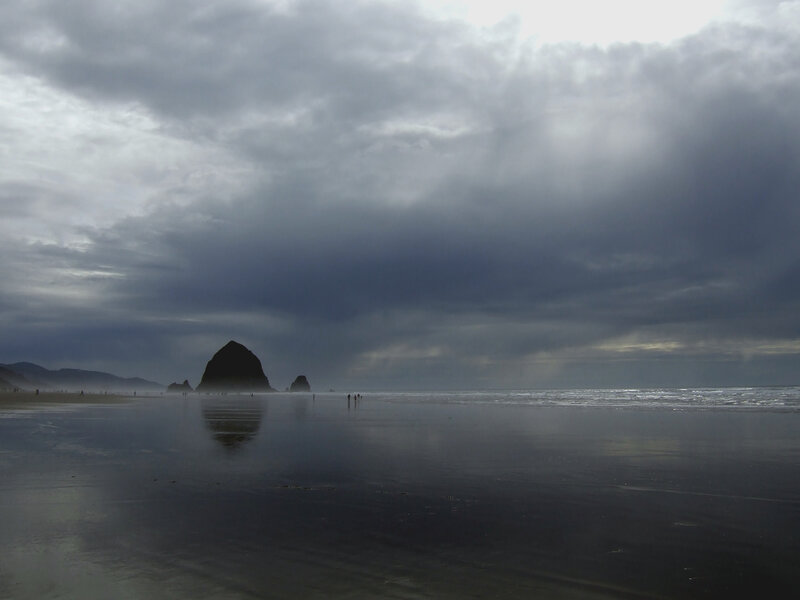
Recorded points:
(740, 398)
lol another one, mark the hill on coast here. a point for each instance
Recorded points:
(26, 375)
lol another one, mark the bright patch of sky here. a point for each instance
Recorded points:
(70, 163)
(603, 23)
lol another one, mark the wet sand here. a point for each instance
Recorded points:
(29, 399)
(286, 496)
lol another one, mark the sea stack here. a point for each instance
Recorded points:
(234, 368)
(179, 388)
(300, 384)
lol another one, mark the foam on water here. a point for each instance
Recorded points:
(743, 398)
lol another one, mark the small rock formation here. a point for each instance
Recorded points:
(179, 388)
(300, 384)
(234, 368)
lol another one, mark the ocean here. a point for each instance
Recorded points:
(667, 493)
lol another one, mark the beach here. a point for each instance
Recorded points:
(402, 496)
(31, 399)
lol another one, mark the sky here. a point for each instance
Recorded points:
(404, 195)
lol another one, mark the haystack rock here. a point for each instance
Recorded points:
(179, 388)
(234, 368)
(300, 384)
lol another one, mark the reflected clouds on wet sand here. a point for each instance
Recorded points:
(292, 495)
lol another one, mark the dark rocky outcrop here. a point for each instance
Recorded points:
(179, 388)
(300, 384)
(234, 368)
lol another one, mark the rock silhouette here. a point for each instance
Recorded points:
(234, 368)
(179, 388)
(300, 384)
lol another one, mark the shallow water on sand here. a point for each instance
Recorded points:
(400, 496)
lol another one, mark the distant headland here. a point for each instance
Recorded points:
(30, 376)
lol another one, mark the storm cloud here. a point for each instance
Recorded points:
(378, 198)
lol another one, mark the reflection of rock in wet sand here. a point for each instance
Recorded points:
(300, 409)
(232, 421)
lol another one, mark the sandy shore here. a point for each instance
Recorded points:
(402, 496)
(28, 399)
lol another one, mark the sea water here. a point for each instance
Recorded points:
(549, 494)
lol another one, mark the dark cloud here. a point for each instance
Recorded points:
(203, 59)
(423, 205)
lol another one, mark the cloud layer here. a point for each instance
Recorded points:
(377, 198)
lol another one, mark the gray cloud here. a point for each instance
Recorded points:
(400, 201)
